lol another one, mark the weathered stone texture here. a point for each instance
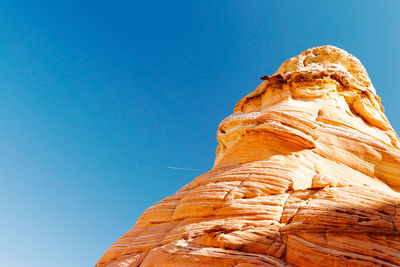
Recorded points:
(307, 173)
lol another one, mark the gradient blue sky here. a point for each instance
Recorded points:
(99, 98)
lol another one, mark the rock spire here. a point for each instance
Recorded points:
(307, 173)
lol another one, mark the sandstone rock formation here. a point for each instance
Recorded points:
(307, 173)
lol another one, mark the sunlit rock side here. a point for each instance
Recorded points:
(307, 173)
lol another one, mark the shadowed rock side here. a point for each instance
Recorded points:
(307, 173)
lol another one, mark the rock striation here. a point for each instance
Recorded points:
(307, 173)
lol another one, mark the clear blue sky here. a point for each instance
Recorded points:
(99, 98)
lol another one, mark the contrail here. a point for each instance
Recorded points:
(184, 169)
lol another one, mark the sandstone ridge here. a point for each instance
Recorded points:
(307, 173)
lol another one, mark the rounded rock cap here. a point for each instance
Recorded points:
(331, 59)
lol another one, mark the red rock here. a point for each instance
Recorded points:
(307, 173)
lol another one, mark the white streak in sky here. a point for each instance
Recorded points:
(184, 169)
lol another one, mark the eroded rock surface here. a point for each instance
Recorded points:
(307, 173)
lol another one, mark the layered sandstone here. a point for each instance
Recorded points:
(307, 173)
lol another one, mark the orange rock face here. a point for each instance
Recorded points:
(307, 173)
